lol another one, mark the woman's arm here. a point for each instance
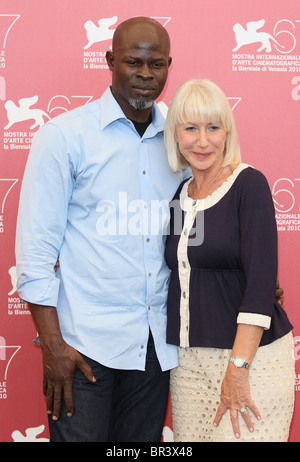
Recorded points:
(258, 235)
(235, 392)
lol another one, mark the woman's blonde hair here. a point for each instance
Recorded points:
(200, 100)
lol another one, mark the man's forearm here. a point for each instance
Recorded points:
(46, 322)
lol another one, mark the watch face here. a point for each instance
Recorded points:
(239, 362)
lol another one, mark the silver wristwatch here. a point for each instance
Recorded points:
(239, 362)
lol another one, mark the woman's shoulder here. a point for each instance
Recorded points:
(252, 185)
(177, 194)
(252, 176)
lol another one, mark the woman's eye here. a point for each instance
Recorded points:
(213, 128)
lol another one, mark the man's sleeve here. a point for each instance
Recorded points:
(45, 194)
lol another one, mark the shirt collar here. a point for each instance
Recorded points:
(110, 111)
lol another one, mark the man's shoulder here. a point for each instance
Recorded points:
(83, 112)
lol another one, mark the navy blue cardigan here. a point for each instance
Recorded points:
(233, 271)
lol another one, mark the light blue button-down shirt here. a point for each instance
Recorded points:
(97, 194)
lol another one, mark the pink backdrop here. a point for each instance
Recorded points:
(52, 59)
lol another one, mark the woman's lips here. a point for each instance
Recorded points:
(202, 155)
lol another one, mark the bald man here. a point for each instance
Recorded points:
(95, 193)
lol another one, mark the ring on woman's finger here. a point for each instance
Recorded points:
(243, 410)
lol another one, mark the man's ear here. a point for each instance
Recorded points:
(110, 60)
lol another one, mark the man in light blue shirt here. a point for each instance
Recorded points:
(96, 193)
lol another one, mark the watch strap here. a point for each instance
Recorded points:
(239, 362)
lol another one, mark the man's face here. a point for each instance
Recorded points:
(139, 64)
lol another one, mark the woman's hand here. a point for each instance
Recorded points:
(235, 396)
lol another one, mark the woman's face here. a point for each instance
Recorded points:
(201, 144)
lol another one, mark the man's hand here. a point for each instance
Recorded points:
(60, 362)
(279, 294)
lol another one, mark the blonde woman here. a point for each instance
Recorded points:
(235, 380)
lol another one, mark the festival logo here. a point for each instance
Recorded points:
(7, 354)
(13, 278)
(167, 435)
(24, 111)
(99, 33)
(6, 185)
(297, 357)
(252, 35)
(286, 194)
(296, 88)
(24, 118)
(31, 435)
(15, 306)
(6, 23)
(265, 48)
(99, 36)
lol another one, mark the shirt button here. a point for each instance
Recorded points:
(184, 294)
(148, 239)
(149, 274)
(184, 264)
(149, 308)
(185, 232)
(194, 202)
(142, 347)
(144, 172)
